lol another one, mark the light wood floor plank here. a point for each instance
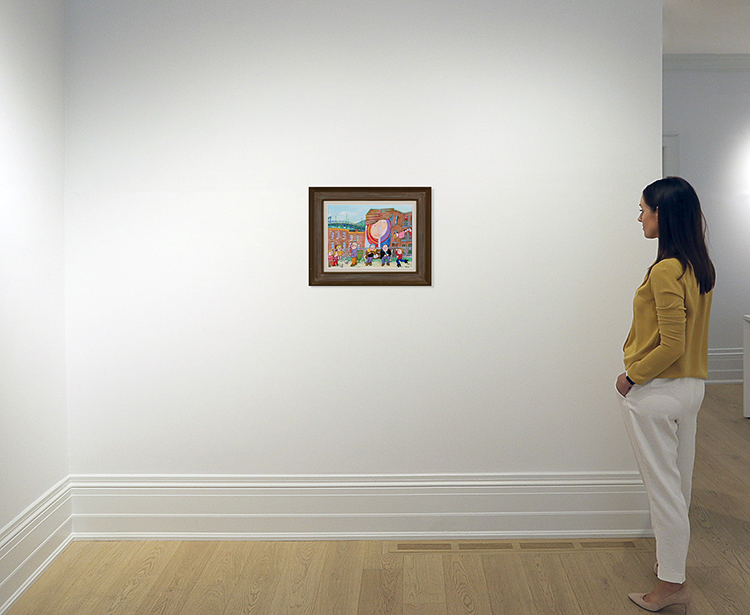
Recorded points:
(381, 592)
(89, 586)
(172, 589)
(379, 557)
(728, 535)
(549, 584)
(424, 584)
(214, 588)
(591, 583)
(137, 579)
(508, 586)
(724, 445)
(717, 473)
(466, 585)
(109, 587)
(728, 594)
(341, 579)
(725, 402)
(425, 609)
(303, 570)
(260, 578)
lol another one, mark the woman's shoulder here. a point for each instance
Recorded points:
(669, 267)
(670, 273)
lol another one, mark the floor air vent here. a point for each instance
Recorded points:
(522, 546)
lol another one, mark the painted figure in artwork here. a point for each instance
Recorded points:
(353, 253)
(385, 255)
(399, 257)
(330, 258)
(369, 255)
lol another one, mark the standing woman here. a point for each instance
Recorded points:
(666, 362)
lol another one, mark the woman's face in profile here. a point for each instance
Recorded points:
(649, 218)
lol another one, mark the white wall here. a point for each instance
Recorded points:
(35, 511)
(33, 426)
(707, 105)
(194, 129)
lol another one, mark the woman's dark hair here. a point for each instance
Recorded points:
(682, 228)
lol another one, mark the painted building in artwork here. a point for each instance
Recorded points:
(344, 234)
(398, 228)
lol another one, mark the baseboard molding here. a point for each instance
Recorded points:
(359, 507)
(706, 61)
(725, 366)
(32, 541)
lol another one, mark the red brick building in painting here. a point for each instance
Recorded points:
(343, 235)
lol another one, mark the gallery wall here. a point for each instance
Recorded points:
(707, 116)
(35, 508)
(195, 345)
(33, 425)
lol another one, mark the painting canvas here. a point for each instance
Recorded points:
(369, 236)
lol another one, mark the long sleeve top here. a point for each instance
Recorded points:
(669, 334)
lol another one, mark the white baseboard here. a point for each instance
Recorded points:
(32, 541)
(707, 61)
(725, 366)
(359, 507)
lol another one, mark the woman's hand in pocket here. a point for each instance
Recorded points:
(622, 385)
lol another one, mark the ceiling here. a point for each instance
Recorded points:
(706, 26)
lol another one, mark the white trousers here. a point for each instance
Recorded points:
(661, 418)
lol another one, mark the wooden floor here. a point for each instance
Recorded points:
(504, 577)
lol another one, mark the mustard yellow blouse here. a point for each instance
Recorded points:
(669, 334)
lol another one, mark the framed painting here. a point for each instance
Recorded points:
(370, 236)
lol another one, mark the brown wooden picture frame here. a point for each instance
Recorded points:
(341, 250)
